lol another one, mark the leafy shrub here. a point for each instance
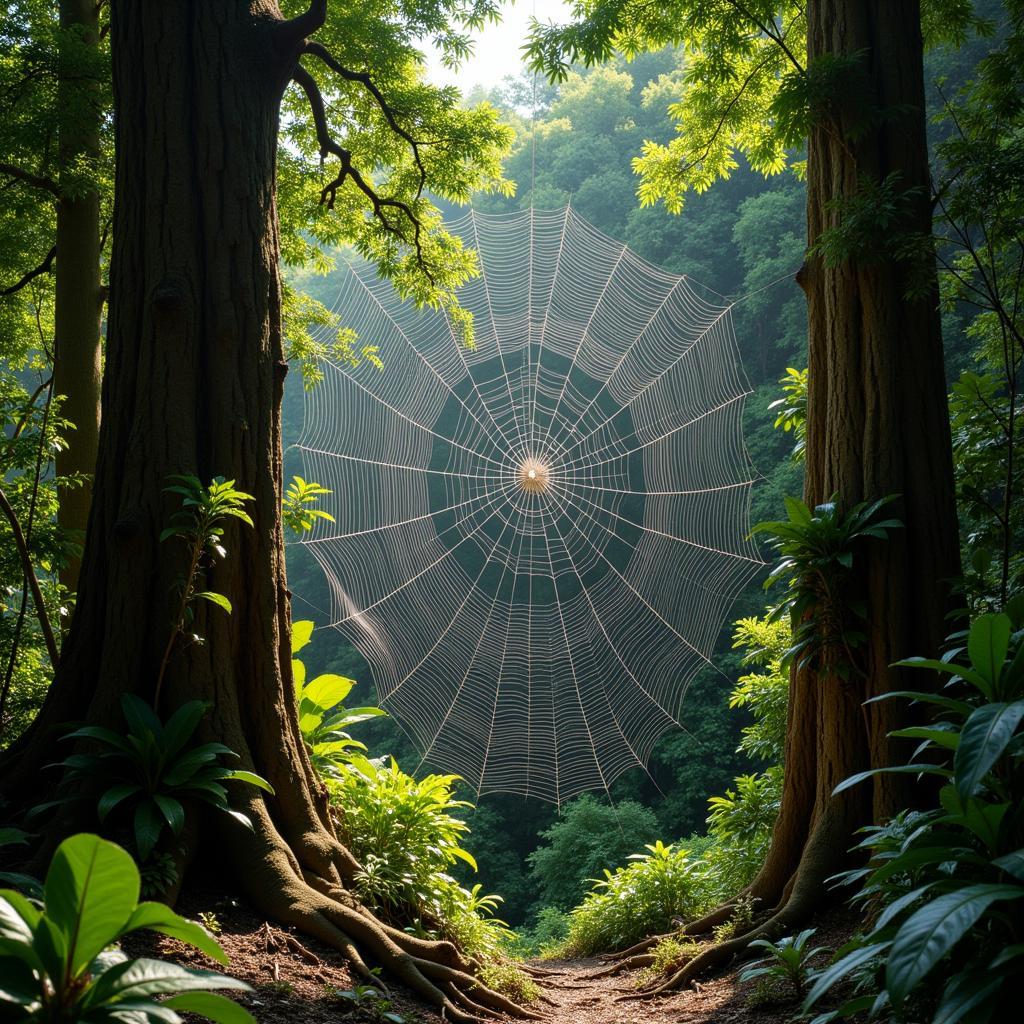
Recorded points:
(549, 930)
(948, 943)
(740, 826)
(588, 838)
(788, 962)
(635, 901)
(150, 771)
(56, 966)
(322, 716)
(405, 836)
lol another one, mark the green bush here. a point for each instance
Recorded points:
(948, 942)
(150, 771)
(588, 838)
(406, 838)
(635, 901)
(56, 965)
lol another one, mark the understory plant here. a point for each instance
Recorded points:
(787, 965)
(639, 899)
(150, 771)
(58, 963)
(323, 718)
(816, 548)
(947, 884)
(405, 834)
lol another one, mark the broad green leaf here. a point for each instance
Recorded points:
(302, 633)
(113, 796)
(96, 732)
(985, 736)
(181, 725)
(327, 690)
(298, 674)
(466, 856)
(252, 778)
(987, 644)
(137, 978)
(141, 718)
(933, 930)
(160, 918)
(171, 809)
(212, 1006)
(91, 888)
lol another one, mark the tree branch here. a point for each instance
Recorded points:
(323, 54)
(347, 171)
(35, 180)
(291, 32)
(43, 268)
(30, 574)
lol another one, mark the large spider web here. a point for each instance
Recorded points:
(537, 539)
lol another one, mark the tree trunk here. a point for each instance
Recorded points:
(877, 425)
(193, 384)
(78, 300)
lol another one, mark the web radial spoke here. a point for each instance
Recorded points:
(522, 521)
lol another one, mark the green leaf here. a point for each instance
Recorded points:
(113, 796)
(302, 633)
(141, 718)
(1012, 864)
(327, 690)
(173, 812)
(91, 888)
(985, 736)
(148, 825)
(933, 930)
(466, 856)
(212, 1006)
(181, 725)
(962, 994)
(899, 769)
(252, 778)
(214, 598)
(834, 973)
(160, 918)
(987, 644)
(137, 978)
(96, 732)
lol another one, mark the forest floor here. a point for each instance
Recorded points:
(295, 980)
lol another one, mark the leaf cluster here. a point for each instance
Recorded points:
(948, 942)
(816, 568)
(151, 771)
(323, 718)
(54, 957)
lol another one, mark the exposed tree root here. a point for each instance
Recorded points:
(633, 963)
(800, 897)
(295, 896)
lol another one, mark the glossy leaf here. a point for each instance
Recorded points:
(90, 890)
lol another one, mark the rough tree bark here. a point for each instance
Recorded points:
(193, 383)
(78, 301)
(877, 424)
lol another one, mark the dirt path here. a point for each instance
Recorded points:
(582, 999)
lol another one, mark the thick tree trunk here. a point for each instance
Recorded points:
(193, 384)
(877, 425)
(78, 300)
